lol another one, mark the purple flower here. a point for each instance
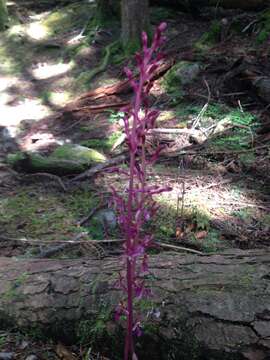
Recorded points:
(136, 206)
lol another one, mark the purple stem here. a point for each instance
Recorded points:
(130, 264)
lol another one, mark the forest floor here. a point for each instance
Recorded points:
(220, 194)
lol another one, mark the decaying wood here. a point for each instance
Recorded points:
(121, 87)
(95, 109)
(209, 306)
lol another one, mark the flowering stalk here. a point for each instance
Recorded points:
(139, 207)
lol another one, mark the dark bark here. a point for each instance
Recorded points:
(195, 5)
(217, 305)
(135, 19)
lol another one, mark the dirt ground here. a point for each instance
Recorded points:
(220, 189)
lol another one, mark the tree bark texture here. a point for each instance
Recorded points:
(217, 305)
(135, 19)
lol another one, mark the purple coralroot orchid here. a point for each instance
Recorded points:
(139, 206)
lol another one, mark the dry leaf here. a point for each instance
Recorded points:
(179, 233)
(200, 234)
(63, 353)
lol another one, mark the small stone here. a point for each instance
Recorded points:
(107, 218)
(6, 356)
(24, 345)
(31, 357)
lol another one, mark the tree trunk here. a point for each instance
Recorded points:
(135, 19)
(202, 307)
(3, 15)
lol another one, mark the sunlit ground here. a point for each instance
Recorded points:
(35, 79)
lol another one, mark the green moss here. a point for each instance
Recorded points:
(210, 37)
(66, 18)
(159, 13)
(104, 144)
(12, 293)
(3, 15)
(99, 331)
(78, 153)
(181, 74)
(264, 33)
(3, 339)
(85, 78)
(35, 163)
(51, 215)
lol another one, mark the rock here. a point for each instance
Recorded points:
(66, 159)
(181, 74)
(31, 357)
(7, 141)
(186, 72)
(80, 153)
(26, 124)
(107, 218)
(24, 345)
(262, 85)
(6, 355)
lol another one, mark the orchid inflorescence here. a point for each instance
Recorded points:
(138, 207)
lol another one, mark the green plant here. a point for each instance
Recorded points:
(92, 332)
(115, 116)
(264, 33)
(212, 241)
(200, 219)
(3, 339)
(210, 37)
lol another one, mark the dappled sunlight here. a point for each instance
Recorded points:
(42, 141)
(213, 194)
(6, 82)
(60, 98)
(223, 207)
(26, 109)
(46, 70)
(34, 31)
(37, 31)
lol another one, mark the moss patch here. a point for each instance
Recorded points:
(78, 153)
(104, 144)
(181, 74)
(209, 38)
(264, 33)
(36, 213)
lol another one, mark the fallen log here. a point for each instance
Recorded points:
(121, 86)
(65, 160)
(214, 306)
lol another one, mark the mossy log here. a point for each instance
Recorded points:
(203, 307)
(65, 160)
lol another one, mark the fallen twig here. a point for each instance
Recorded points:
(90, 215)
(179, 248)
(50, 176)
(94, 170)
(98, 108)
(75, 241)
(223, 152)
(55, 249)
